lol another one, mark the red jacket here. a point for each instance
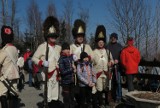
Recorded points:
(26, 55)
(130, 58)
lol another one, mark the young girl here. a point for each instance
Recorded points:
(86, 78)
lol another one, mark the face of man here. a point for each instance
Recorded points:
(113, 40)
(100, 44)
(52, 40)
(80, 39)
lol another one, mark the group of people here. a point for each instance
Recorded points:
(26, 66)
(85, 75)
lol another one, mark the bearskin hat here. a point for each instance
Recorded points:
(79, 28)
(51, 27)
(7, 34)
(100, 33)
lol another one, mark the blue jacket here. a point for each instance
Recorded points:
(85, 74)
(66, 70)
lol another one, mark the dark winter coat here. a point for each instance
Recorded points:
(66, 69)
(115, 49)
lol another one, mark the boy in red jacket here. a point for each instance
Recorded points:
(130, 58)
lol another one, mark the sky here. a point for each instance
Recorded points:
(98, 12)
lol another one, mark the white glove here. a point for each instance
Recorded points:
(45, 63)
(75, 58)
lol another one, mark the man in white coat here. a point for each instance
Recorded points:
(9, 68)
(79, 46)
(102, 59)
(51, 33)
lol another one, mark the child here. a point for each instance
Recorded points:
(87, 79)
(67, 75)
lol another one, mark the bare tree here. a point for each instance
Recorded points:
(17, 28)
(137, 9)
(135, 18)
(84, 14)
(147, 29)
(157, 27)
(62, 32)
(92, 41)
(34, 25)
(68, 15)
(127, 15)
(13, 12)
(4, 11)
(51, 9)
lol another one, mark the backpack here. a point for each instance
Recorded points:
(26, 67)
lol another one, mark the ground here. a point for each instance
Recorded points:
(30, 97)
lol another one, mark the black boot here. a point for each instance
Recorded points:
(94, 101)
(100, 98)
(13, 102)
(4, 103)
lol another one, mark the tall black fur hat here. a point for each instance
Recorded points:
(79, 28)
(7, 34)
(100, 33)
(51, 27)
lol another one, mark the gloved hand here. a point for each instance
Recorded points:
(45, 63)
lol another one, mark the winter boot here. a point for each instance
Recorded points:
(4, 103)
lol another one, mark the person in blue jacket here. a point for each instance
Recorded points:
(67, 70)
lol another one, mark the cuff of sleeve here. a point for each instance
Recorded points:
(57, 67)
(40, 63)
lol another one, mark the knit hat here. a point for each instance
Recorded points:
(83, 55)
(130, 41)
(65, 45)
(115, 35)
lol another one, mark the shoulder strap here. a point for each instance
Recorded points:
(83, 47)
(108, 54)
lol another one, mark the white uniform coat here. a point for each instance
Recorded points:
(53, 56)
(78, 49)
(9, 69)
(100, 64)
